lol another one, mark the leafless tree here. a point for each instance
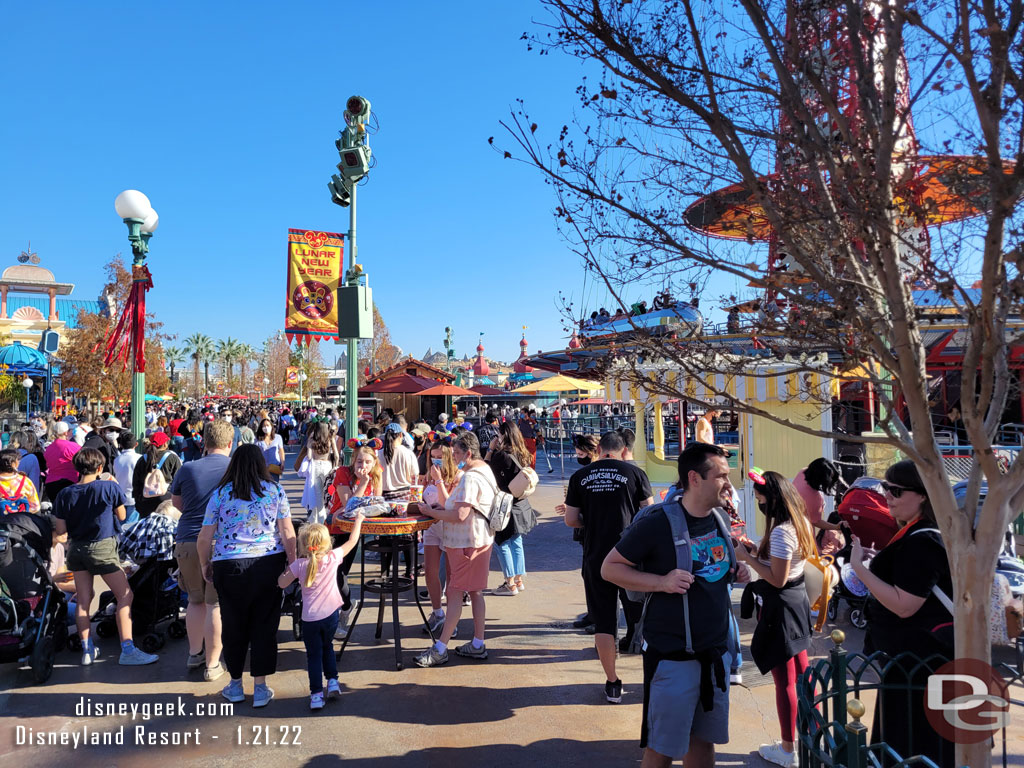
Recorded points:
(842, 131)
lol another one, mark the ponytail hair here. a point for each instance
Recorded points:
(314, 543)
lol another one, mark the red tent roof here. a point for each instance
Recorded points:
(486, 391)
(402, 384)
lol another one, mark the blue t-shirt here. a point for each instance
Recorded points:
(246, 528)
(88, 509)
(195, 483)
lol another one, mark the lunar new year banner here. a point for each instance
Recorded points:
(315, 261)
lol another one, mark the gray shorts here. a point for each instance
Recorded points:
(674, 711)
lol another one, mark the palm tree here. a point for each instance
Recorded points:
(245, 354)
(174, 356)
(200, 348)
(228, 352)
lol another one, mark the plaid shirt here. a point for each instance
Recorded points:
(152, 536)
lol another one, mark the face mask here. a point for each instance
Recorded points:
(461, 464)
(583, 461)
(762, 505)
(111, 436)
(267, 430)
(436, 462)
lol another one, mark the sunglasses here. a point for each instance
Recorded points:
(898, 490)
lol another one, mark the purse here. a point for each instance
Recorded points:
(525, 481)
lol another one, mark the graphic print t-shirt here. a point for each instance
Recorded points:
(649, 544)
(609, 493)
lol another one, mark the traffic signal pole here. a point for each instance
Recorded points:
(352, 361)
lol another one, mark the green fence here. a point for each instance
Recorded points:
(830, 698)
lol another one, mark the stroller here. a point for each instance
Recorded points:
(866, 514)
(157, 601)
(33, 610)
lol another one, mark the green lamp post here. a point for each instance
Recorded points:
(134, 208)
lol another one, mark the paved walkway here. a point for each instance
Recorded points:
(538, 699)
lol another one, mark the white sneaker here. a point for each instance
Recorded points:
(774, 753)
(316, 700)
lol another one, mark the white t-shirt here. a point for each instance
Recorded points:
(124, 469)
(783, 543)
(401, 472)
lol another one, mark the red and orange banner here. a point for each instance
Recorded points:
(291, 376)
(315, 263)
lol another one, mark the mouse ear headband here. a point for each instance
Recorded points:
(374, 443)
(757, 475)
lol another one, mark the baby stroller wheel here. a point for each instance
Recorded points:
(297, 623)
(176, 629)
(858, 619)
(152, 642)
(74, 643)
(833, 608)
(41, 660)
(106, 628)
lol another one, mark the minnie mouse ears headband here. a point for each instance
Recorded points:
(374, 443)
(757, 475)
(440, 436)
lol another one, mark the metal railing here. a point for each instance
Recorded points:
(830, 707)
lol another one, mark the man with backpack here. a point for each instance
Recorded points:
(680, 553)
(602, 499)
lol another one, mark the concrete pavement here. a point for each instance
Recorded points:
(538, 699)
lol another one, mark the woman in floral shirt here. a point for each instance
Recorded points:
(248, 530)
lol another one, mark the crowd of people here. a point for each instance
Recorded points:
(670, 564)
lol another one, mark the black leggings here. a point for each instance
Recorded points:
(250, 611)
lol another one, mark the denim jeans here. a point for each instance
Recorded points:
(318, 637)
(511, 558)
(733, 642)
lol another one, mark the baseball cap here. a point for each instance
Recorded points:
(61, 427)
(159, 439)
(420, 429)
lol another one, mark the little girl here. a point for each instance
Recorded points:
(321, 600)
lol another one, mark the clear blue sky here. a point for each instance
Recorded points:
(225, 114)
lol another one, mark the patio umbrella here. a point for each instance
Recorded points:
(237, 397)
(559, 383)
(151, 398)
(289, 397)
(448, 390)
(166, 396)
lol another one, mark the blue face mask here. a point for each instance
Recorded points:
(436, 462)
(461, 464)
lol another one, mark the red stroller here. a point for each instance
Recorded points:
(866, 513)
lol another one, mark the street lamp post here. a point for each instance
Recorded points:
(135, 209)
(27, 384)
(302, 378)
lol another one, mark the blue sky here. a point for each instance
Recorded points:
(225, 115)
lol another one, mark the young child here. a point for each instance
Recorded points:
(321, 600)
(86, 511)
(17, 493)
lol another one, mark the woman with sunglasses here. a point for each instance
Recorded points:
(904, 614)
(783, 632)
(441, 479)
(467, 540)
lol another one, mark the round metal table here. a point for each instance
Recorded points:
(390, 530)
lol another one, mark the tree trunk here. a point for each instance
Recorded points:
(972, 583)
(206, 377)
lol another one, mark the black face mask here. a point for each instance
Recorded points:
(583, 461)
(763, 506)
